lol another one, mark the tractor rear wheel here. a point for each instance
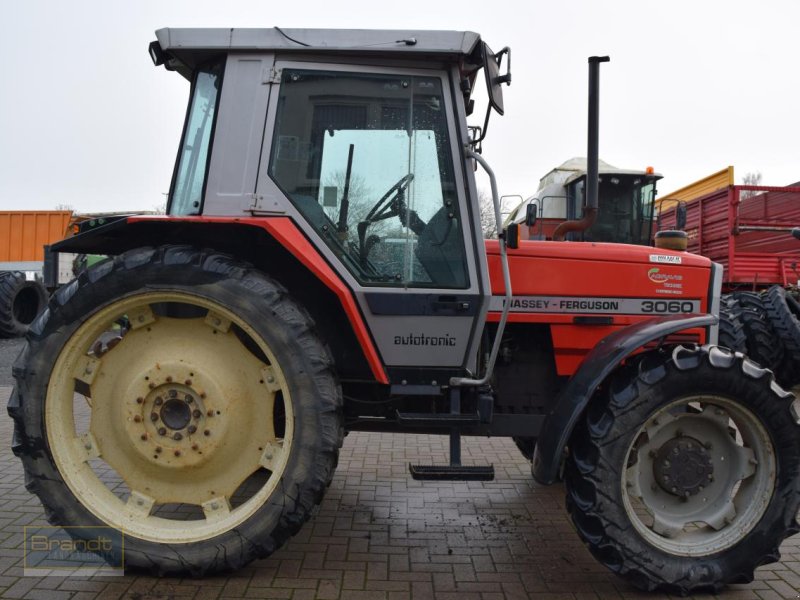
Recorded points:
(182, 397)
(21, 300)
(685, 474)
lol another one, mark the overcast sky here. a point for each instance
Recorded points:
(87, 121)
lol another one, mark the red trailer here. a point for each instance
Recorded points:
(747, 229)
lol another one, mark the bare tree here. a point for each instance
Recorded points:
(63, 207)
(751, 178)
(486, 214)
(359, 197)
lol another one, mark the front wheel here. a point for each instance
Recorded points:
(183, 398)
(684, 475)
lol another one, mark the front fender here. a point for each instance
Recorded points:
(598, 364)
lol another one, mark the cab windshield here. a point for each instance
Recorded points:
(625, 208)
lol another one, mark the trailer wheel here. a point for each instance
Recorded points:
(784, 316)
(20, 302)
(685, 474)
(206, 430)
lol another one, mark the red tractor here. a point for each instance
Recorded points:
(321, 270)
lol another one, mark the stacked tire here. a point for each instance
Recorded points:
(766, 327)
(783, 311)
(21, 300)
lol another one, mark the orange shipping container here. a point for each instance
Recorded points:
(24, 233)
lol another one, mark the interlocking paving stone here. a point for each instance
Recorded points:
(380, 534)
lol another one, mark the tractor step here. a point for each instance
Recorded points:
(437, 419)
(451, 472)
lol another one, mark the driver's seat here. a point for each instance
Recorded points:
(440, 249)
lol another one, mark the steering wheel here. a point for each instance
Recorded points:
(391, 204)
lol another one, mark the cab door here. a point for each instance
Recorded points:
(369, 162)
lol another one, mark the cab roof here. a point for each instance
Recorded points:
(192, 46)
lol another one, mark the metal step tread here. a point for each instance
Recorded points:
(452, 472)
(438, 418)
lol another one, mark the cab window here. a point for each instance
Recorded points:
(366, 160)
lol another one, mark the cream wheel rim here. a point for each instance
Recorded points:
(181, 409)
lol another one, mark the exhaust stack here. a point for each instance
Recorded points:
(592, 155)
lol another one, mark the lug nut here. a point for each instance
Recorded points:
(191, 429)
(162, 431)
(158, 449)
(143, 436)
(189, 399)
(177, 436)
(139, 400)
(197, 414)
(195, 447)
(169, 378)
(151, 385)
(210, 413)
(207, 432)
(173, 393)
(177, 452)
(203, 395)
(159, 401)
(137, 418)
(154, 417)
(188, 382)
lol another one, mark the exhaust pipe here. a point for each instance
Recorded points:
(590, 210)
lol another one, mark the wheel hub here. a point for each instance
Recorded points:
(683, 467)
(177, 413)
(175, 416)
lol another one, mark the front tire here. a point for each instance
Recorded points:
(183, 397)
(684, 475)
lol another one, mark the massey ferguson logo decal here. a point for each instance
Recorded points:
(656, 276)
(424, 340)
(670, 283)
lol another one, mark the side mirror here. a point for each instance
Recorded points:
(491, 67)
(796, 232)
(512, 236)
(531, 214)
(680, 216)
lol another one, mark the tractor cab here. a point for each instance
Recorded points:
(625, 204)
(359, 139)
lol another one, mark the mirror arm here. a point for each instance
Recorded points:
(499, 56)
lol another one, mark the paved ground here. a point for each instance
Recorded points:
(379, 534)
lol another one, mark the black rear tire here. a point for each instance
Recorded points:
(604, 450)
(731, 330)
(784, 316)
(21, 300)
(761, 342)
(306, 379)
